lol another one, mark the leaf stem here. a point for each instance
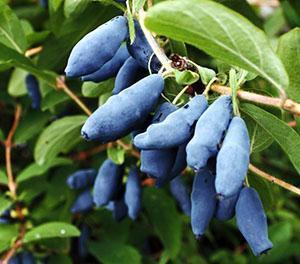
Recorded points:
(33, 51)
(8, 144)
(273, 179)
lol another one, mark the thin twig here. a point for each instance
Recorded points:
(16, 245)
(60, 84)
(83, 155)
(288, 104)
(272, 179)
(8, 144)
(33, 51)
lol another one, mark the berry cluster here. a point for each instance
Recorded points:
(206, 138)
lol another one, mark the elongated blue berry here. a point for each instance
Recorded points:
(142, 51)
(130, 73)
(85, 233)
(83, 203)
(178, 166)
(82, 179)
(203, 201)
(252, 221)
(107, 182)
(181, 195)
(133, 194)
(124, 111)
(33, 90)
(209, 132)
(97, 47)
(226, 207)
(175, 130)
(15, 260)
(233, 159)
(119, 209)
(110, 68)
(26, 258)
(159, 162)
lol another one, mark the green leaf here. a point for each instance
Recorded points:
(130, 25)
(62, 134)
(51, 230)
(178, 47)
(226, 36)
(30, 126)
(16, 85)
(162, 214)
(4, 204)
(53, 98)
(3, 177)
(111, 252)
(289, 52)
(34, 169)
(73, 8)
(91, 89)
(8, 234)
(116, 154)
(138, 4)
(11, 30)
(186, 77)
(284, 135)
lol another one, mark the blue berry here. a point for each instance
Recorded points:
(209, 132)
(83, 203)
(233, 159)
(203, 201)
(33, 90)
(124, 111)
(142, 51)
(97, 47)
(110, 68)
(85, 233)
(82, 179)
(130, 73)
(252, 222)
(107, 182)
(133, 194)
(175, 130)
(181, 195)
(226, 207)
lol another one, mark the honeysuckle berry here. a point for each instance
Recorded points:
(83, 203)
(82, 178)
(33, 89)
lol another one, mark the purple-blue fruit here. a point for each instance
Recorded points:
(44, 3)
(110, 68)
(33, 90)
(119, 209)
(107, 183)
(142, 51)
(124, 111)
(209, 132)
(85, 233)
(226, 207)
(82, 179)
(181, 195)
(26, 258)
(175, 130)
(233, 159)
(252, 221)
(159, 162)
(178, 166)
(203, 201)
(15, 260)
(133, 194)
(83, 203)
(97, 47)
(130, 73)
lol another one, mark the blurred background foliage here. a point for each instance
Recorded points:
(162, 234)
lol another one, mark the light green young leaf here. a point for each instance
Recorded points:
(4, 203)
(74, 7)
(34, 169)
(116, 154)
(220, 32)
(110, 252)
(16, 85)
(59, 136)
(289, 52)
(11, 30)
(3, 177)
(51, 230)
(138, 4)
(186, 77)
(284, 135)
(162, 214)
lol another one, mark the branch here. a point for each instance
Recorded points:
(33, 51)
(272, 179)
(60, 84)
(8, 144)
(288, 104)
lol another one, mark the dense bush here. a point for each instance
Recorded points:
(146, 132)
